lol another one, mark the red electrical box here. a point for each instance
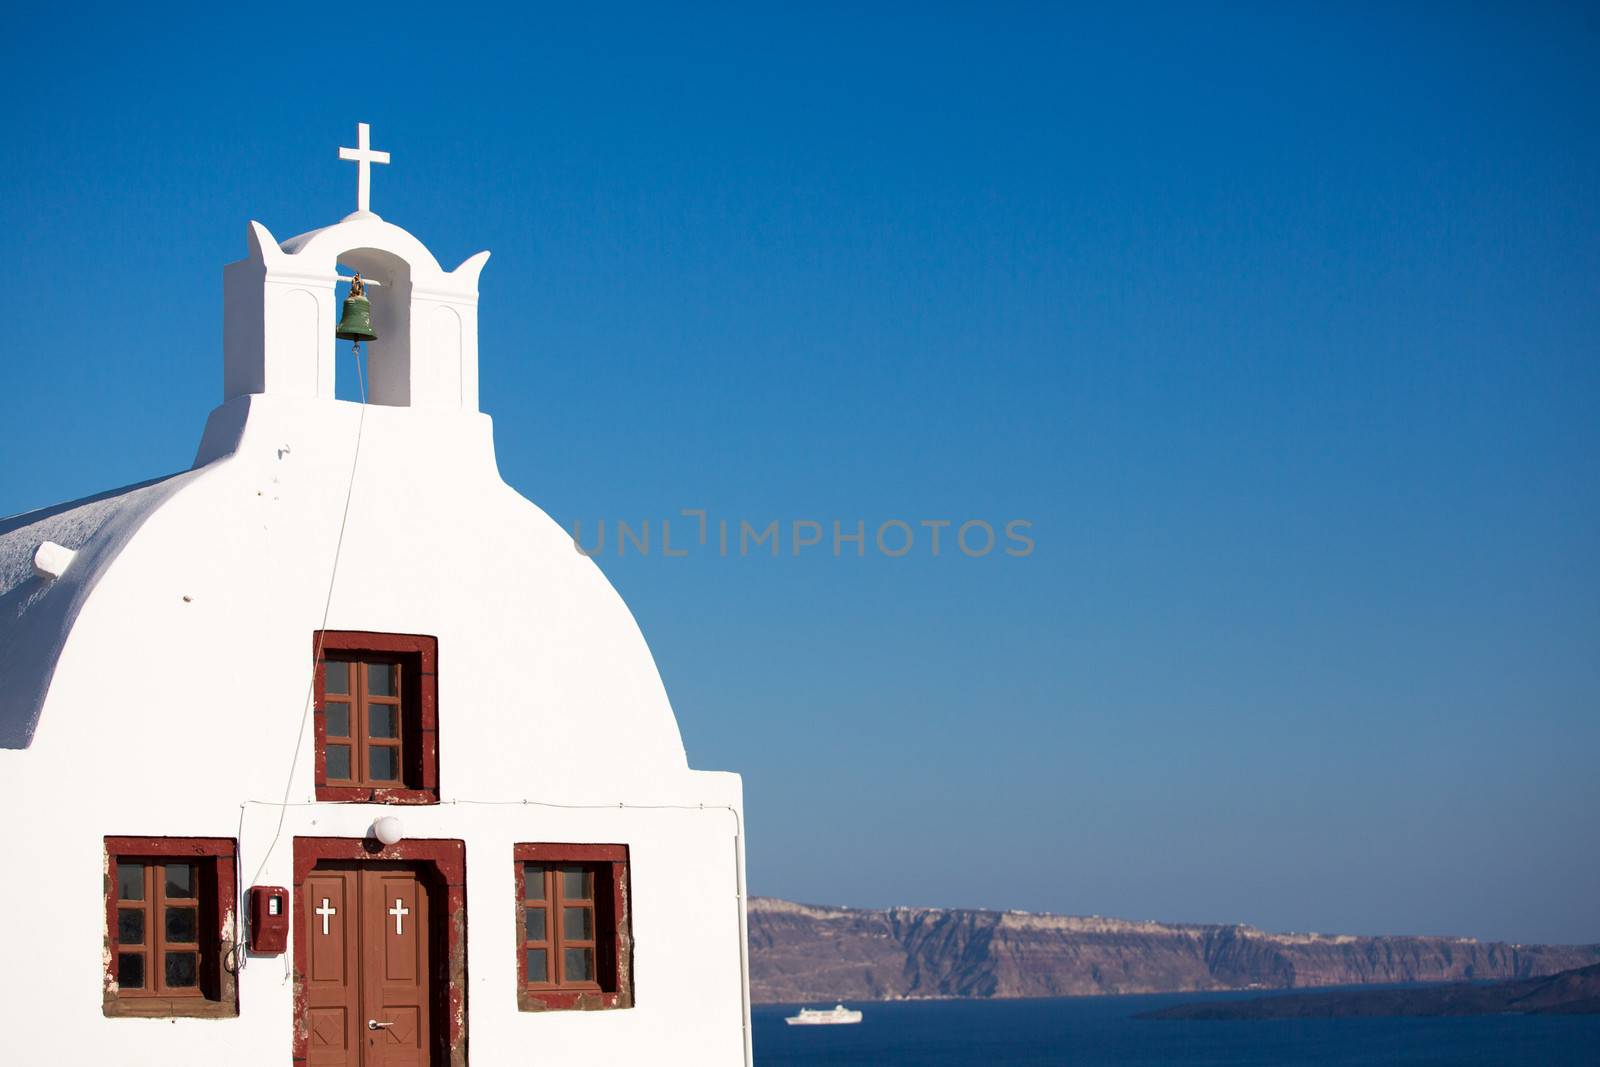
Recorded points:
(269, 919)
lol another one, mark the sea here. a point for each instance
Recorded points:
(1095, 1031)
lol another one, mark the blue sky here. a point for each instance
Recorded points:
(1281, 332)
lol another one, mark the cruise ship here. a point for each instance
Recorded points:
(834, 1016)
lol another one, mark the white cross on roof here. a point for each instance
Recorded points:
(363, 155)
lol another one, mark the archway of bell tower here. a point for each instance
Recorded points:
(387, 360)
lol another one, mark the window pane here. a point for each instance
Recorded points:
(538, 969)
(385, 763)
(576, 883)
(130, 926)
(534, 924)
(339, 763)
(338, 678)
(182, 968)
(130, 880)
(533, 881)
(577, 924)
(579, 965)
(383, 720)
(182, 924)
(180, 880)
(130, 970)
(381, 680)
(338, 720)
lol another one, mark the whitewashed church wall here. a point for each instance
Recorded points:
(182, 684)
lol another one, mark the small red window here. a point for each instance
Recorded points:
(167, 899)
(376, 717)
(574, 945)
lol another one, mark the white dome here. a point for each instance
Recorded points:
(194, 599)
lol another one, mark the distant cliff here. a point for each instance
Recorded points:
(799, 952)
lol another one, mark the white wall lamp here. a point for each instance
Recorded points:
(388, 830)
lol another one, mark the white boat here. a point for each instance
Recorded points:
(835, 1016)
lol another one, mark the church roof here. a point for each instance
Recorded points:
(37, 613)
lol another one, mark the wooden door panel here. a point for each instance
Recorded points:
(399, 923)
(332, 991)
(395, 966)
(330, 1032)
(404, 1042)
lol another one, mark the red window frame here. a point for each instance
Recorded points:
(216, 993)
(612, 940)
(418, 657)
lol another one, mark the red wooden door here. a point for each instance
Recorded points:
(368, 977)
(394, 968)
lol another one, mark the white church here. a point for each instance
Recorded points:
(333, 750)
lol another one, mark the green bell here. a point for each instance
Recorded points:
(355, 323)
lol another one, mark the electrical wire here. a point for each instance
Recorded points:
(327, 607)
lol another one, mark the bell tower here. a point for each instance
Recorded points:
(280, 311)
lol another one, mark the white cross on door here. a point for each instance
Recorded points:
(399, 911)
(327, 912)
